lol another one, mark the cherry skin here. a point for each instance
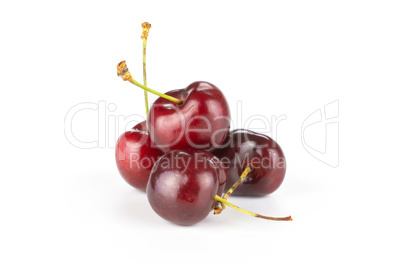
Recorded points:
(243, 147)
(182, 186)
(222, 177)
(221, 171)
(202, 121)
(136, 155)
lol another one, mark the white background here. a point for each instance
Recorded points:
(62, 206)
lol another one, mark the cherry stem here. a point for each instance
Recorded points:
(124, 73)
(145, 30)
(246, 171)
(219, 206)
(227, 203)
(173, 99)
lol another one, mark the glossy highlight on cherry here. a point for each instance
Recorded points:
(135, 155)
(202, 121)
(183, 191)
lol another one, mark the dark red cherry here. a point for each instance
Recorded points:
(202, 121)
(220, 168)
(182, 186)
(222, 173)
(243, 147)
(136, 155)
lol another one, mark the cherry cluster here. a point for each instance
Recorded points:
(185, 156)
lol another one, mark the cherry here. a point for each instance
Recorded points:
(136, 155)
(197, 116)
(243, 148)
(182, 186)
(202, 121)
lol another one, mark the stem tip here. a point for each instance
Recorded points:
(122, 71)
(145, 30)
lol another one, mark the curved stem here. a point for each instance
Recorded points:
(124, 73)
(246, 171)
(223, 201)
(144, 70)
(177, 101)
(219, 206)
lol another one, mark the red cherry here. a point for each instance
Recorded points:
(136, 155)
(202, 121)
(221, 169)
(244, 147)
(183, 185)
(222, 173)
